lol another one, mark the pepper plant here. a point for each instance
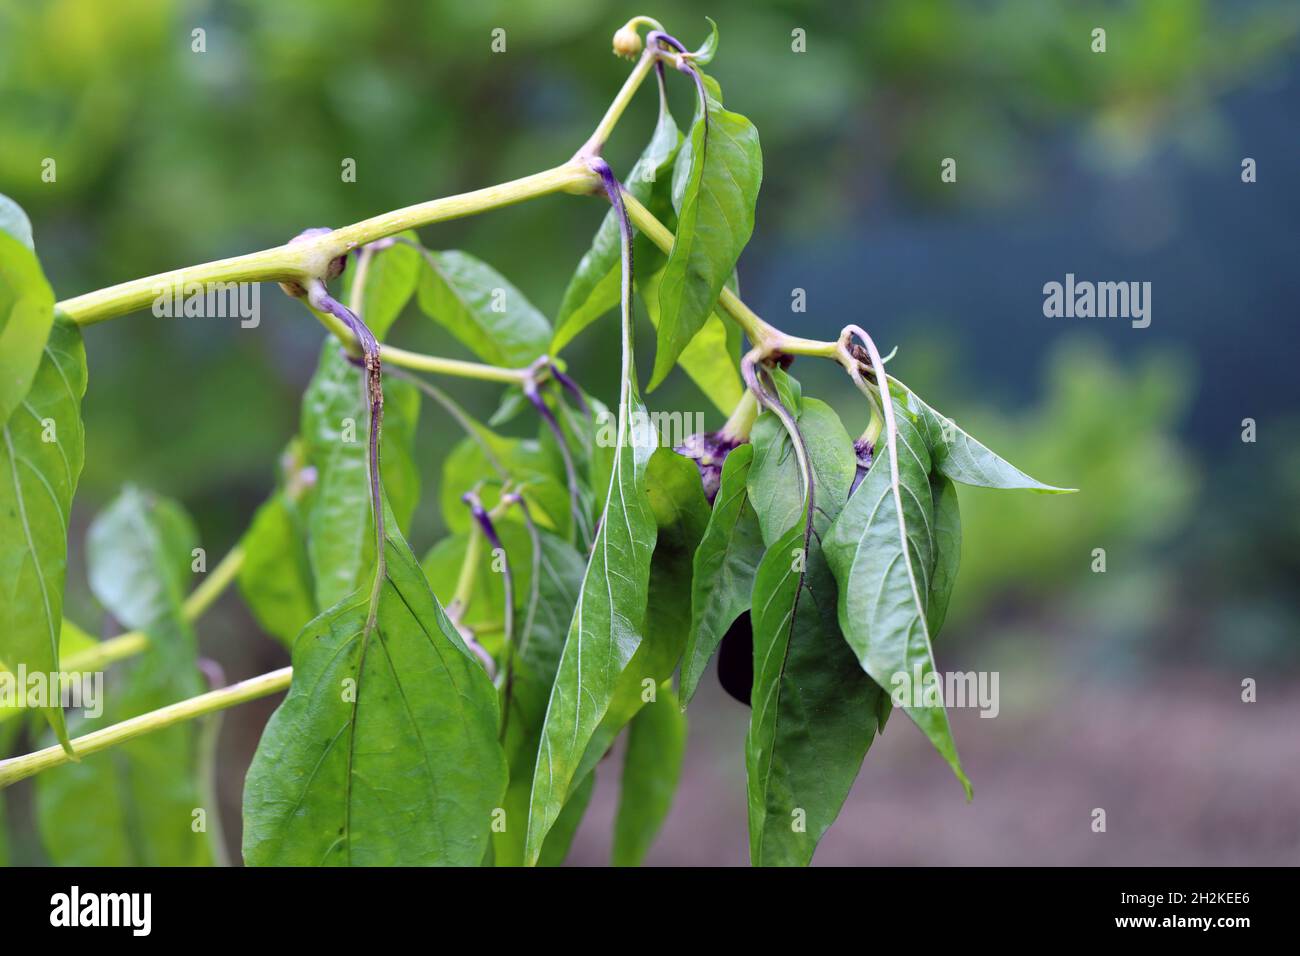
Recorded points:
(455, 709)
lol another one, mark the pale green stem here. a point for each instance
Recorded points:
(742, 418)
(468, 574)
(612, 115)
(310, 258)
(217, 580)
(769, 339)
(787, 420)
(133, 642)
(105, 653)
(19, 768)
(359, 276)
(874, 426)
(391, 355)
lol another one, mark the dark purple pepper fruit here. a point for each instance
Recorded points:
(863, 450)
(708, 450)
(736, 660)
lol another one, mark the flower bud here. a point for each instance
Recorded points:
(627, 42)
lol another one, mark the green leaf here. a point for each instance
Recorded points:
(656, 746)
(441, 565)
(788, 390)
(712, 359)
(681, 515)
(715, 187)
(881, 549)
(594, 288)
(608, 621)
(7, 736)
(140, 558)
(26, 314)
(384, 752)
(134, 805)
(590, 439)
(391, 279)
(480, 456)
(486, 610)
(512, 403)
(335, 419)
(37, 481)
(275, 577)
(483, 455)
(775, 485)
(560, 839)
(959, 456)
(814, 710)
(709, 48)
(15, 222)
(482, 309)
(947, 550)
(72, 640)
(724, 568)
(545, 618)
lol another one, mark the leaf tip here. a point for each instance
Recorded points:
(970, 791)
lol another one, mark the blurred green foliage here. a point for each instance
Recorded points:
(166, 156)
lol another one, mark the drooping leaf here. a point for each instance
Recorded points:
(72, 642)
(881, 549)
(482, 309)
(589, 436)
(656, 745)
(775, 487)
(335, 419)
(709, 48)
(947, 550)
(594, 288)
(512, 403)
(607, 625)
(390, 278)
(681, 515)
(544, 625)
(134, 805)
(814, 711)
(560, 838)
(715, 186)
(788, 390)
(724, 568)
(275, 577)
(42, 448)
(959, 456)
(384, 752)
(712, 359)
(26, 314)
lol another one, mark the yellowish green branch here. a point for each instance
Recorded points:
(310, 258)
(19, 768)
(105, 653)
